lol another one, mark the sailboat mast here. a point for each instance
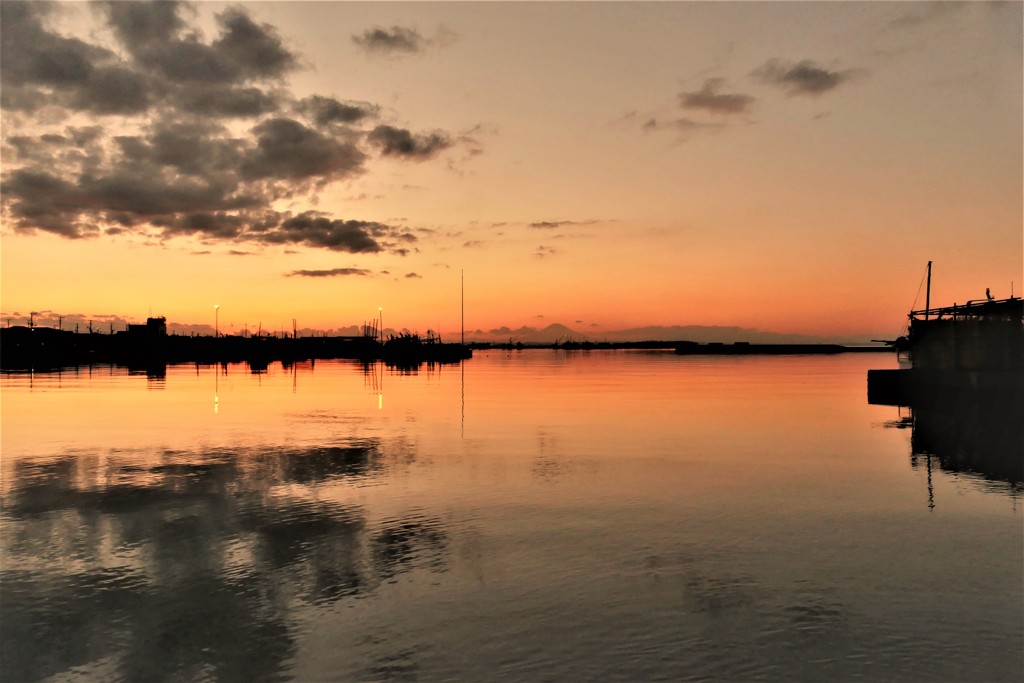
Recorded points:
(462, 277)
(928, 292)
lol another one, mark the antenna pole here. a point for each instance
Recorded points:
(928, 292)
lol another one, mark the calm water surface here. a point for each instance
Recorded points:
(529, 516)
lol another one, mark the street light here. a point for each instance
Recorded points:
(216, 320)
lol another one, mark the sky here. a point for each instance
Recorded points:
(784, 167)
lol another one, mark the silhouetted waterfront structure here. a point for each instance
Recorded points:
(149, 346)
(405, 349)
(973, 347)
(965, 386)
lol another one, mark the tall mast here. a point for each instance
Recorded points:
(928, 292)
(463, 283)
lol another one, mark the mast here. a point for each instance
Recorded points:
(928, 292)
(462, 277)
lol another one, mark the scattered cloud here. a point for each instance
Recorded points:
(188, 137)
(400, 41)
(413, 276)
(710, 98)
(472, 244)
(544, 251)
(802, 78)
(397, 39)
(333, 272)
(403, 144)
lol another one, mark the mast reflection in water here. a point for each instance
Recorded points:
(534, 515)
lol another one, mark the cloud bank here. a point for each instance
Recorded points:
(167, 134)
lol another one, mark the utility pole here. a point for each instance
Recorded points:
(928, 292)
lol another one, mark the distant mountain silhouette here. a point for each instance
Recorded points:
(530, 335)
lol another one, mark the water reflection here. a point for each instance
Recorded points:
(978, 435)
(188, 565)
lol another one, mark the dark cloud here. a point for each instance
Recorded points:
(472, 244)
(390, 41)
(544, 251)
(711, 99)
(244, 51)
(401, 143)
(327, 110)
(319, 231)
(141, 24)
(333, 272)
(229, 102)
(801, 78)
(413, 276)
(208, 137)
(38, 67)
(286, 149)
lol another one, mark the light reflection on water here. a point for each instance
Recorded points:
(541, 516)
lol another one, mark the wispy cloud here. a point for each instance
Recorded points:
(333, 272)
(551, 225)
(710, 98)
(685, 127)
(926, 13)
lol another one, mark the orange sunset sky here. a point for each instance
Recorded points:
(786, 167)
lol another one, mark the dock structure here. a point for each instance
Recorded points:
(955, 351)
(977, 335)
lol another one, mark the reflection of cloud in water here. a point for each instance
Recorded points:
(188, 565)
(717, 595)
